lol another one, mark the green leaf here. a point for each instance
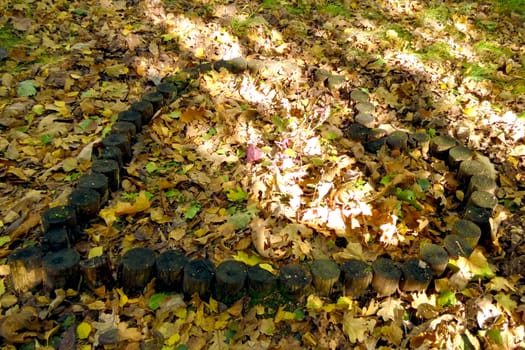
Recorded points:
(236, 194)
(84, 124)
(210, 133)
(174, 115)
(26, 88)
(447, 298)
(46, 139)
(151, 167)
(4, 240)
(193, 210)
(155, 300)
(405, 195)
(494, 334)
(424, 184)
(240, 220)
(299, 314)
(385, 180)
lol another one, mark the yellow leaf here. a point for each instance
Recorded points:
(97, 305)
(249, 260)
(83, 330)
(95, 251)
(214, 305)
(283, 315)
(199, 53)
(268, 268)
(506, 302)
(174, 339)
(123, 297)
(314, 302)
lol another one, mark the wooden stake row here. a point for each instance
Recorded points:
(57, 265)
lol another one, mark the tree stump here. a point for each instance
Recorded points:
(357, 276)
(365, 107)
(86, 203)
(122, 142)
(386, 276)
(359, 96)
(155, 98)
(375, 145)
(168, 91)
(136, 269)
(145, 108)
(170, 267)
(457, 246)
(199, 275)
(133, 117)
(230, 281)
(482, 199)
(481, 217)
(458, 154)
(325, 275)
(109, 168)
(335, 82)
(110, 153)
(97, 272)
(25, 265)
(417, 275)
(261, 282)
(469, 168)
(97, 182)
(397, 140)
(63, 216)
(55, 239)
(435, 256)
(125, 128)
(420, 140)
(440, 145)
(481, 183)
(294, 280)
(469, 230)
(61, 269)
(365, 119)
(357, 132)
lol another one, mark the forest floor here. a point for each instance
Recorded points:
(256, 166)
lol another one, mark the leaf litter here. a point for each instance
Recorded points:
(255, 167)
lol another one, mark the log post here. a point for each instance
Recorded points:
(199, 275)
(61, 269)
(230, 281)
(26, 268)
(294, 280)
(386, 276)
(325, 275)
(261, 282)
(435, 256)
(170, 267)
(417, 275)
(357, 276)
(136, 269)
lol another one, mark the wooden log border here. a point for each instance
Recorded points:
(63, 225)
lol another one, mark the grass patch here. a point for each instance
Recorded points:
(491, 51)
(440, 14)
(476, 71)
(511, 6)
(335, 9)
(8, 37)
(438, 51)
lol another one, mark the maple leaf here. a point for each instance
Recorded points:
(357, 329)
